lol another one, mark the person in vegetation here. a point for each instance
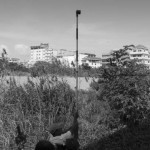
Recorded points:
(65, 141)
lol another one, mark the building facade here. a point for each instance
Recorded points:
(105, 59)
(83, 58)
(66, 57)
(93, 62)
(139, 52)
(41, 53)
(14, 60)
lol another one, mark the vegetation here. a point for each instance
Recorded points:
(12, 68)
(38, 106)
(35, 107)
(57, 68)
(124, 85)
(113, 115)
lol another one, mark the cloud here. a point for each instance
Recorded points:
(21, 51)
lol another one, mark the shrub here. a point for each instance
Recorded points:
(35, 107)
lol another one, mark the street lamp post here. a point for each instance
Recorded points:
(78, 12)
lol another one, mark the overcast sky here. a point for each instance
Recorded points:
(103, 25)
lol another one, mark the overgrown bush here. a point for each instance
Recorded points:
(94, 117)
(124, 85)
(35, 107)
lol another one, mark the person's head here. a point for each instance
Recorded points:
(44, 145)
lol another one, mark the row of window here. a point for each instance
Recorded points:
(139, 50)
(139, 55)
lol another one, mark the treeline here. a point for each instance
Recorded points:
(57, 68)
(10, 68)
(44, 68)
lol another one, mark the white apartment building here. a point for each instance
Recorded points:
(67, 60)
(41, 53)
(139, 52)
(83, 58)
(66, 57)
(93, 62)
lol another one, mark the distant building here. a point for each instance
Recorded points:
(13, 60)
(105, 59)
(44, 53)
(67, 60)
(83, 58)
(93, 62)
(139, 52)
(66, 57)
(41, 53)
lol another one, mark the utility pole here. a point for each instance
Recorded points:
(78, 12)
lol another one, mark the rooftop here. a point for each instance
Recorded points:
(41, 46)
(92, 58)
(141, 47)
(88, 54)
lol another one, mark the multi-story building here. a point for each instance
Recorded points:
(41, 53)
(83, 58)
(105, 59)
(66, 57)
(93, 62)
(139, 52)
(44, 53)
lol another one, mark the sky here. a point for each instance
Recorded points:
(104, 25)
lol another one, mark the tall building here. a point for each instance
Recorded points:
(41, 53)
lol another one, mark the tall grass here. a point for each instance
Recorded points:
(37, 106)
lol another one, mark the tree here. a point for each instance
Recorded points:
(40, 68)
(86, 66)
(125, 85)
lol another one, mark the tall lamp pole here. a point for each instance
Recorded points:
(78, 12)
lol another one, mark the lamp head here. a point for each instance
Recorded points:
(78, 12)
